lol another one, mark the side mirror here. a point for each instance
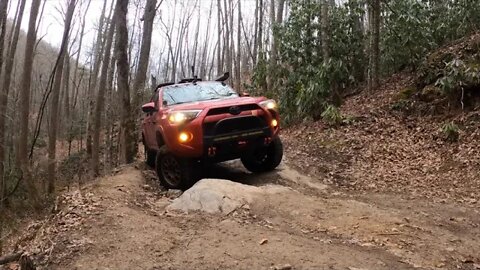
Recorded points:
(244, 94)
(149, 107)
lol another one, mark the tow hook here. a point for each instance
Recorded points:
(212, 151)
(267, 140)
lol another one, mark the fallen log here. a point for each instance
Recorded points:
(10, 258)
(23, 259)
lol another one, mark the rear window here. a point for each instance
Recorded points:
(186, 93)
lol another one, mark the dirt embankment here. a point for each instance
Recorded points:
(386, 149)
(285, 220)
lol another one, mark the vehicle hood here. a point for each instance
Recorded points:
(201, 105)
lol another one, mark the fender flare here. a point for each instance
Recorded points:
(160, 138)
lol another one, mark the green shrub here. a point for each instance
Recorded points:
(451, 132)
(457, 75)
(332, 115)
(406, 93)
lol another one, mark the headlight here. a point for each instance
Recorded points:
(178, 117)
(269, 104)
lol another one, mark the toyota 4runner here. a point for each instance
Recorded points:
(192, 123)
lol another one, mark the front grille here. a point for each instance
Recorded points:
(233, 125)
(222, 110)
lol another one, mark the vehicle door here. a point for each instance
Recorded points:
(149, 123)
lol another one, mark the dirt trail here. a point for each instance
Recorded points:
(127, 227)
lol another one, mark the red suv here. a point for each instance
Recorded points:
(192, 123)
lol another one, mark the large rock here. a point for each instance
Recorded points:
(219, 196)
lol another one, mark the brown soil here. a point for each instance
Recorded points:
(120, 222)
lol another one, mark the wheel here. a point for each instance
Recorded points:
(264, 159)
(150, 156)
(174, 172)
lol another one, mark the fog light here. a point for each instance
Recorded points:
(274, 123)
(184, 137)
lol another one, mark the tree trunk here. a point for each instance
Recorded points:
(238, 68)
(273, 50)
(24, 104)
(374, 51)
(231, 46)
(255, 35)
(76, 85)
(219, 38)
(3, 30)
(66, 102)
(97, 56)
(127, 126)
(260, 28)
(100, 104)
(141, 74)
(110, 116)
(54, 107)
(324, 30)
(9, 64)
(227, 48)
(358, 57)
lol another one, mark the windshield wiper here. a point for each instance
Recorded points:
(212, 98)
(229, 94)
(181, 102)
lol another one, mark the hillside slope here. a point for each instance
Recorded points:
(383, 149)
(392, 139)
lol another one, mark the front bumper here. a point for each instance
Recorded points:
(232, 146)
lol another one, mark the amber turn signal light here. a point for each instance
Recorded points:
(185, 137)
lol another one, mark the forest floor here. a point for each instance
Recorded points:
(382, 192)
(121, 222)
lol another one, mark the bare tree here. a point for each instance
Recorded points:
(276, 20)
(76, 84)
(127, 126)
(97, 56)
(54, 107)
(219, 37)
(110, 159)
(374, 60)
(3, 30)
(273, 52)
(256, 30)
(141, 74)
(26, 79)
(204, 56)
(99, 105)
(239, 48)
(227, 47)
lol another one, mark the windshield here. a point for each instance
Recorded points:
(178, 94)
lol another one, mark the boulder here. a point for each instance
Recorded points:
(219, 196)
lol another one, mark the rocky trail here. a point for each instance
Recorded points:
(279, 220)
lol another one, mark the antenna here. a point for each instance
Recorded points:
(195, 78)
(223, 78)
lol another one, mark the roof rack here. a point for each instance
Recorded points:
(164, 84)
(187, 80)
(195, 79)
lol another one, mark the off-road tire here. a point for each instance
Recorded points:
(187, 170)
(264, 161)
